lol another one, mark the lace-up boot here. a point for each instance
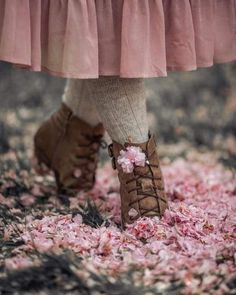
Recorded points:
(141, 181)
(69, 147)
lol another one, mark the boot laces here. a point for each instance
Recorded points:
(153, 191)
(94, 142)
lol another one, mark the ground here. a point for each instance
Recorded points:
(52, 244)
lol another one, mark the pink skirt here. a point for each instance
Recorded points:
(128, 38)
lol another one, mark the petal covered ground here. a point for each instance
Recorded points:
(195, 242)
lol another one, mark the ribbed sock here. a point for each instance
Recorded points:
(77, 97)
(121, 104)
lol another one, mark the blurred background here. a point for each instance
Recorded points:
(188, 111)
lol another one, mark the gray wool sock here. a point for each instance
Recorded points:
(121, 104)
(76, 97)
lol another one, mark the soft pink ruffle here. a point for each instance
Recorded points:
(129, 38)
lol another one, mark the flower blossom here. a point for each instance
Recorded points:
(131, 157)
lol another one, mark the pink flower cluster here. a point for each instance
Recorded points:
(133, 155)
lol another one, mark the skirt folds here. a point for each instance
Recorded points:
(128, 38)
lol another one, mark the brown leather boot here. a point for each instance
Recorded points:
(141, 181)
(69, 147)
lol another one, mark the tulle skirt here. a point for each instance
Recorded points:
(128, 38)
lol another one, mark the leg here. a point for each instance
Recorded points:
(121, 104)
(76, 96)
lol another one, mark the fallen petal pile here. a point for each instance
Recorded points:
(194, 242)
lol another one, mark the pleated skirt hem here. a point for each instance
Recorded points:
(126, 38)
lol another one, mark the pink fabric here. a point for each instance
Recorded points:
(129, 38)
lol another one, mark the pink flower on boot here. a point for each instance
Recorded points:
(132, 156)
